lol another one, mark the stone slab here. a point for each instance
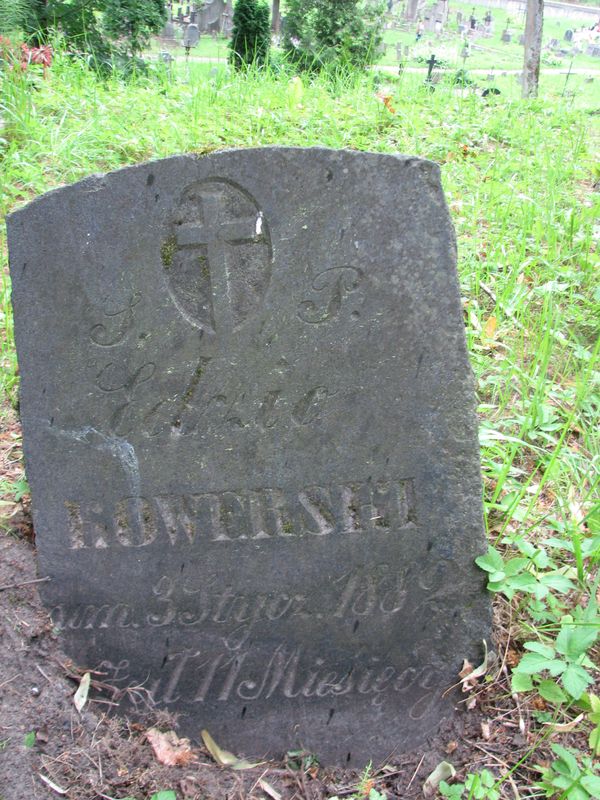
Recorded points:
(249, 432)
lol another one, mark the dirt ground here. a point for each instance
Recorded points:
(48, 749)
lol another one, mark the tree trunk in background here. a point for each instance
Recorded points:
(533, 47)
(275, 17)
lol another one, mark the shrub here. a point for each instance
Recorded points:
(251, 34)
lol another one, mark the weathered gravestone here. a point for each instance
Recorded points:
(191, 37)
(250, 437)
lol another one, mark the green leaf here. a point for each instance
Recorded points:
(567, 763)
(551, 692)
(454, 792)
(557, 581)
(577, 793)
(167, 794)
(575, 680)
(515, 565)
(538, 647)
(29, 739)
(521, 682)
(556, 667)
(591, 783)
(532, 663)
(573, 640)
(491, 562)
(525, 582)
(501, 586)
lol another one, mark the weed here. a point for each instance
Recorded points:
(571, 776)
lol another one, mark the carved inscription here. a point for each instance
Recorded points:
(202, 404)
(116, 324)
(330, 287)
(287, 673)
(350, 597)
(192, 520)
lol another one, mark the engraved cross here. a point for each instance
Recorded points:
(216, 235)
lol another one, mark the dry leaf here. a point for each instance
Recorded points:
(565, 727)
(81, 695)
(386, 99)
(223, 757)
(169, 749)
(442, 772)
(268, 789)
(55, 787)
(490, 326)
(469, 678)
(451, 747)
(467, 669)
(486, 730)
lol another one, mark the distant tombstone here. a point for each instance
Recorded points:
(399, 51)
(193, 17)
(250, 435)
(459, 17)
(568, 35)
(179, 15)
(211, 13)
(191, 36)
(462, 28)
(522, 39)
(506, 37)
(553, 43)
(187, 11)
(168, 32)
(166, 57)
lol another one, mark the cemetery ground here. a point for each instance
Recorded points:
(521, 180)
(486, 52)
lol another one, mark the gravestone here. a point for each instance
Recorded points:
(168, 32)
(212, 15)
(568, 35)
(249, 430)
(191, 37)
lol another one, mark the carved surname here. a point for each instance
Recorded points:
(193, 519)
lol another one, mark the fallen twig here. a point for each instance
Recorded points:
(23, 583)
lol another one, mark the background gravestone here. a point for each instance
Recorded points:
(191, 36)
(250, 437)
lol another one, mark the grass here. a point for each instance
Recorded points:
(519, 178)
